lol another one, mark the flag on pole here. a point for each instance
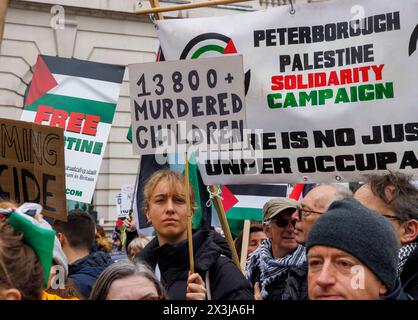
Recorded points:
(247, 200)
(80, 97)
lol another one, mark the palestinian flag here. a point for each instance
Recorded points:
(79, 96)
(246, 201)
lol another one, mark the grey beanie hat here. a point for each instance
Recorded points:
(369, 237)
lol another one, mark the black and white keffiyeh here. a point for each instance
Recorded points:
(404, 253)
(271, 268)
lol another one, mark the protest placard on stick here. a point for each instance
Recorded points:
(187, 106)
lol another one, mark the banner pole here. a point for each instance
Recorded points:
(158, 9)
(189, 215)
(244, 247)
(225, 227)
(155, 5)
(3, 9)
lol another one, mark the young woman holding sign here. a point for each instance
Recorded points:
(216, 275)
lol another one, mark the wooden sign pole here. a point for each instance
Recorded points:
(225, 227)
(155, 5)
(194, 5)
(3, 9)
(244, 247)
(189, 215)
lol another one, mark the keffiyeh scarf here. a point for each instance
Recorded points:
(271, 268)
(404, 253)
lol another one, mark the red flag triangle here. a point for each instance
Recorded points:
(230, 48)
(297, 190)
(42, 82)
(228, 199)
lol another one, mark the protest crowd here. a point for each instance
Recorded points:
(332, 244)
(314, 110)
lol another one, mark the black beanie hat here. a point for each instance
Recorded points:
(351, 227)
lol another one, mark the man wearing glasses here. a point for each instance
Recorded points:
(313, 205)
(394, 197)
(268, 266)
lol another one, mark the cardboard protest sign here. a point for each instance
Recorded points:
(80, 97)
(179, 104)
(331, 90)
(32, 166)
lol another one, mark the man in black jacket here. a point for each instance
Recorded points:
(77, 238)
(394, 197)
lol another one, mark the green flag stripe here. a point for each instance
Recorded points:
(129, 134)
(194, 183)
(245, 214)
(207, 48)
(104, 110)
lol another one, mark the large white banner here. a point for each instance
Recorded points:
(333, 88)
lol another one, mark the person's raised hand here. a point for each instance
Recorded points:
(129, 224)
(195, 287)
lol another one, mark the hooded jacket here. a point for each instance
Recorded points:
(409, 275)
(211, 254)
(85, 271)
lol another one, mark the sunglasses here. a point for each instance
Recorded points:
(283, 223)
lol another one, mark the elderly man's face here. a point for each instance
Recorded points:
(315, 202)
(282, 237)
(367, 198)
(336, 275)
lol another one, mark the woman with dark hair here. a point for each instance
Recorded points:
(127, 280)
(167, 254)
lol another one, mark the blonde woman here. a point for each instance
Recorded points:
(216, 276)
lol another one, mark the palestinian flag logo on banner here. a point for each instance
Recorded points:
(79, 96)
(209, 45)
(246, 201)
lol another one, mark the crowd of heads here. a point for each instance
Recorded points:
(341, 245)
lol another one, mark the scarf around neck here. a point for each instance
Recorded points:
(270, 268)
(404, 253)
